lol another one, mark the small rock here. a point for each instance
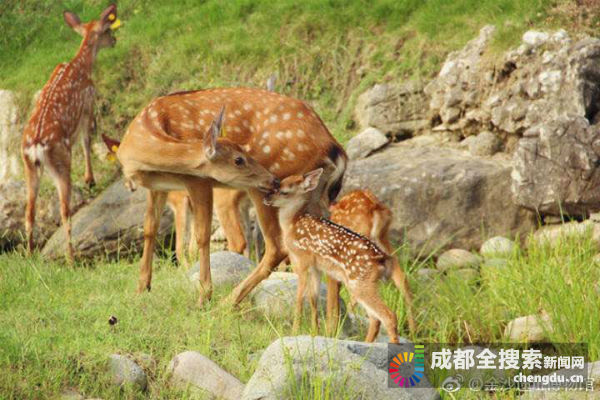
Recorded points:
(126, 372)
(365, 143)
(457, 259)
(555, 235)
(192, 368)
(497, 246)
(485, 144)
(427, 273)
(226, 268)
(531, 328)
(535, 38)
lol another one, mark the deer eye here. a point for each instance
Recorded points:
(239, 161)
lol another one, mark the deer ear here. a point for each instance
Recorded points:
(74, 22)
(109, 15)
(311, 180)
(210, 138)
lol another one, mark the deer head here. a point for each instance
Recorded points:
(294, 190)
(230, 165)
(98, 33)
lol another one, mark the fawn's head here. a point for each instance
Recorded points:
(294, 190)
(97, 32)
(229, 164)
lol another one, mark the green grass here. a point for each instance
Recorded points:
(317, 47)
(56, 334)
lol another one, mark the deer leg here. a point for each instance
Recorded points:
(274, 252)
(59, 166)
(201, 197)
(313, 298)
(32, 176)
(227, 207)
(86, 139)
(369, 298)
(373, 331)
(154, 208)
(401, 282)
(302, 278)
(333, 305)
(179, 204)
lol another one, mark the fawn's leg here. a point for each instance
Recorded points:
(313, 298)
(32, 177)
(368, 296)
(201, 198)
(227, 207)
(86, 139)
(373, 331)
(274, 252)
(302, 273)
(59, 166)
(333, 305)
(154, 208)
(401, 282)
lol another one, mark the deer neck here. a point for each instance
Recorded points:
(84, 60)
(291, 213)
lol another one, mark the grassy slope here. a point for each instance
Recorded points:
(323, 51)
(55, 333)
(315, 46)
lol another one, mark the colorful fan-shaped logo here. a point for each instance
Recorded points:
(407, 369)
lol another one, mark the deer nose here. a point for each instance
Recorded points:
(275, 184)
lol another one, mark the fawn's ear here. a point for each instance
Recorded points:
(210, 137)
(109, 19)
(74, 22)
(311, 180)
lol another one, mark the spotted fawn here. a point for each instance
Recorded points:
(316, 245)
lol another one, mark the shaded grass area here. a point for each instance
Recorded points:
(56, 334)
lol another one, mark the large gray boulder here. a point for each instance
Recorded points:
(441, 198)
(545, 90)
(557, 167)
(394, 109)
(10, 137)
(112, 224)
(290, 368)
(191, 369)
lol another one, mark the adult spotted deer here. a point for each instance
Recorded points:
(65, 107)
(362, 212)
(163, 151)
(316, 244)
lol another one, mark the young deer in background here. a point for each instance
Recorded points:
(317, 244)
(65, 107)
(361, 212)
